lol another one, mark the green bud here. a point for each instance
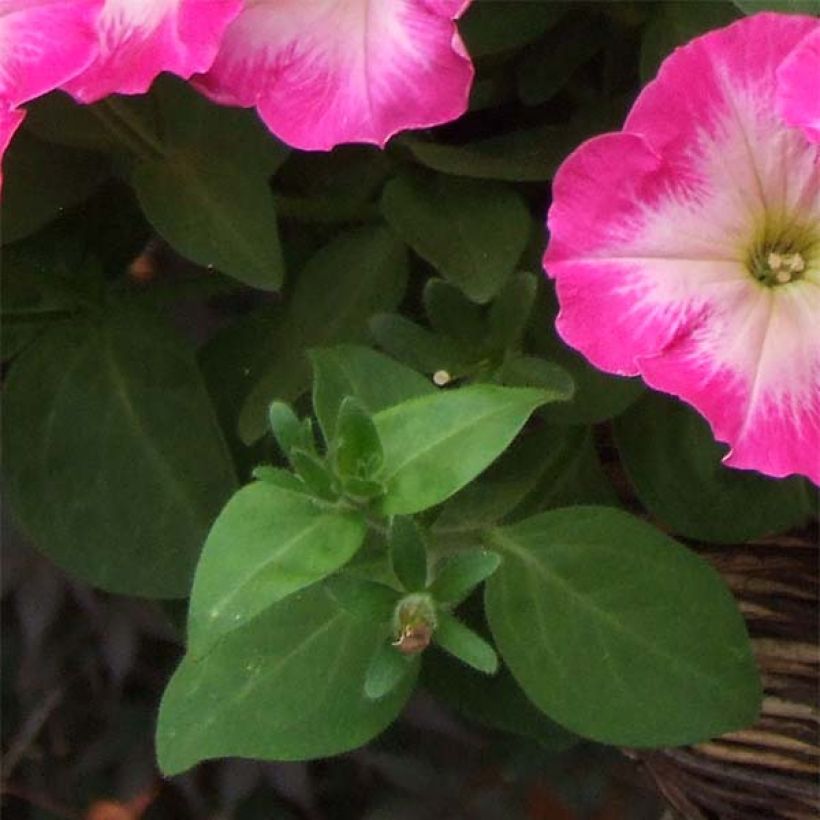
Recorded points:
(414, 621)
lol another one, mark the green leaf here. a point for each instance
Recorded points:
(286, 427)
(369, 600)
(333, 186)
(357, 449)
(531, 371)
(464, 644)
(205, 189)
(573, 474)
(618, 632)
(361, 489)
(525, 155)
(114, 463)
(458, 575)
(489, 28)
(232, 361)
(510, 311)
(543, 72)
(408, 553)
(359, 273)
(472, 232)
(675, 23)
(45, 276)
(59, 118)
(280, 478)
(315, 473)
(674, 464)
(501, 489)
(42, 181)
(419, 347)
(386, 670)
(288, 686)
(267, 543)
(376, 380)
(786, 6)
(434, 445)
(452, 314)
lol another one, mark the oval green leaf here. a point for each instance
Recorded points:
(472, 232)
(205, 188)
(386, 670)
(267, 543)
(526, 155)
(462, 643)
(459, 574)
(288, 686)
(357, 450)
(114, 463)
(436, 444)
(618, 632)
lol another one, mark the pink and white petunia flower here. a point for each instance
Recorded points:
(43, 44)
(799, 85)
(324, 72)
(138, 39)
(686, 248)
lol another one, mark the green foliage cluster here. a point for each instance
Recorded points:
(393, 463)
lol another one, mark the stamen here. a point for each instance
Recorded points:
(775, 261)
(796, 263)
(779, 268)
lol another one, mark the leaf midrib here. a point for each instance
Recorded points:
(320, 521)
(431, 444)
(504, 542)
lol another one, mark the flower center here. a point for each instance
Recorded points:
(781, 268)
(781, 257)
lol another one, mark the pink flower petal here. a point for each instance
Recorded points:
(138, 39)
(756, 367)
(652, 235)
(43, 44)
(9, 122)
(799, 86)
(332, 71)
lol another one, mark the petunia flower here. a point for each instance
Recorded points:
(43, 44)
(686, 248)
(799, 86)
(324, 72)
(138, 39)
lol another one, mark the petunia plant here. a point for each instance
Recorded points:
(277, 343)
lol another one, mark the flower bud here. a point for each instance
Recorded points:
(414, 621)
